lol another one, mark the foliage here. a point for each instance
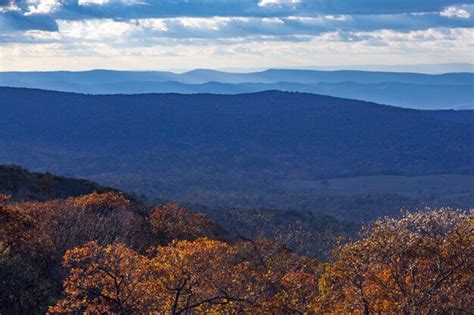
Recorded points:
(201, 276)
(102, 253)
(171, 221)
(35, 235)
(420, 264)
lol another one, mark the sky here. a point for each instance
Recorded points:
(189, 34)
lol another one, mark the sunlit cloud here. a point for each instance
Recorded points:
(248, 32)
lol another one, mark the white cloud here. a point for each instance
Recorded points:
(42, 6)
(421, 37)
(102, 2)
(319, 19)
(204, 23)
(152, 24)
(89, 2)
(42, 35)
(12, 6)
(96, 30)
(264, 3)
(456, 12)
(128, 51)
(289, 37)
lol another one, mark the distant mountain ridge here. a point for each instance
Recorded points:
(411, 90)
(200, 76)
(392, 93)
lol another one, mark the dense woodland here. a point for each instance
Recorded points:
(109, 253)
(235, 151)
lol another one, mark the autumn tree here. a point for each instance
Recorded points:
(172, 222)
(35, 235)
(104, 279)
(276, 279)
(180, 278)
(200, 276)
(419, 264)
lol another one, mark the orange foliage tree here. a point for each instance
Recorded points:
(198, 276)
(99, 248)
(35, 235)
(171, 222)
(420, 264)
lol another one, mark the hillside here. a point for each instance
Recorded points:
(234, 150)
(23, 185)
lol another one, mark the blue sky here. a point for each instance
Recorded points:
(186, 34)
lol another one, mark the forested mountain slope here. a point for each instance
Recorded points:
(23, 185)
(291, 228)
(322, 136)
(229, 149)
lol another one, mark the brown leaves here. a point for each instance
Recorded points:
(104, 279)
(201, 276)
(421, 263)
(38, 234)
(171, 222)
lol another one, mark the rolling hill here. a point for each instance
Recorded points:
(236, 150)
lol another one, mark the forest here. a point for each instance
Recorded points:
(102, 251)
(272, 150)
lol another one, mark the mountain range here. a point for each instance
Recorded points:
(411, 90)
(266, 149)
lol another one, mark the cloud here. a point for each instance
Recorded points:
(281, 3)
(380, 47)
(242, 28)
(42, 6)
(130, 9)
(456, 12)
(89, 2)
(95, 30)
(146, 29)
